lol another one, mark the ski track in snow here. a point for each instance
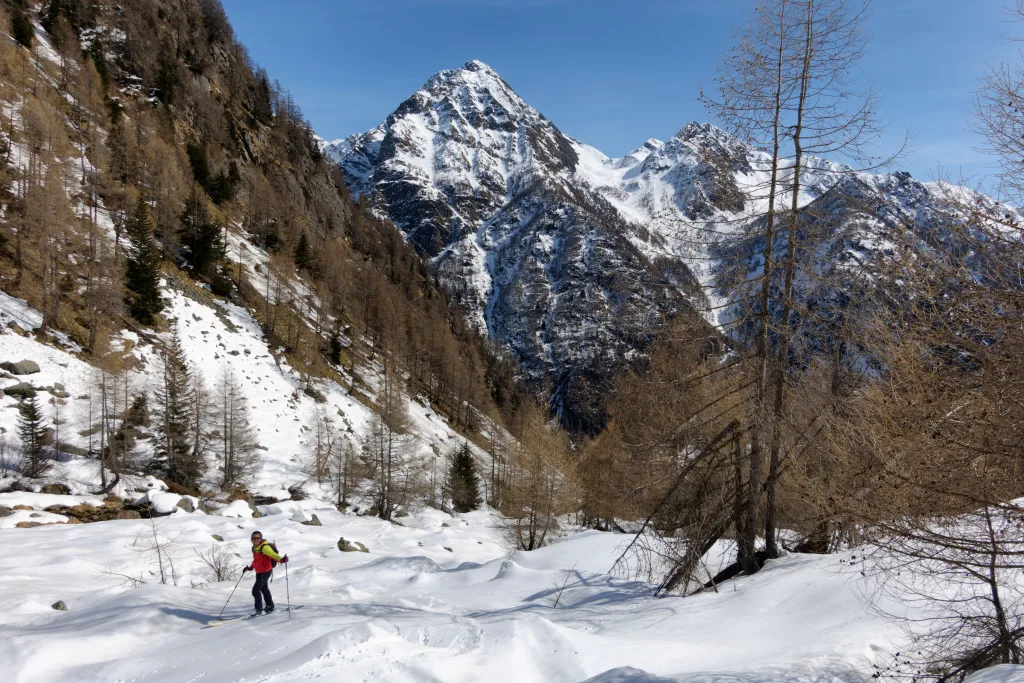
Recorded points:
(410, 610)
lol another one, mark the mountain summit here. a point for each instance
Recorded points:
(571, 259)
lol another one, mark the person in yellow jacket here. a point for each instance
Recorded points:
(262, 554)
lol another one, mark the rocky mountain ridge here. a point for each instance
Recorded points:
(569, 258)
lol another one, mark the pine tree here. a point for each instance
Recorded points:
(175, 405)
(464, 481)
(303, 253)
(21, 26)
(142, 274)
(201, 236)
(32, 431)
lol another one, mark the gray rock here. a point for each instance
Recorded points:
(187, 505)
(6, 512)
(22, 367)
(313, 522)
(58, 386)
(356, 547)
(448, 549)
(57, 489)
(59, 606)
(129, 514)
(218, 537)
(21, 390)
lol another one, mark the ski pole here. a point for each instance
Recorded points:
(287, 591)
(229, 597)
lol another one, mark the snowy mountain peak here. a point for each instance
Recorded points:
(558, 251)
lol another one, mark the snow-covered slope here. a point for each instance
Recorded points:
(428, 603)
(215, 335)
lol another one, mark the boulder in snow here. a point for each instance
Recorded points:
(236, 508)
(314, 521)
(155, 503)
(21, 367)
(6, 512)
(128, 514)
(59, 606)
(356, 547)
(20, 390)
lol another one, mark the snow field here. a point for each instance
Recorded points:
(410, 610)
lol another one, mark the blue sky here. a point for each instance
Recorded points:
(612, 73)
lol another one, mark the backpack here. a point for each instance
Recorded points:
(273, 546)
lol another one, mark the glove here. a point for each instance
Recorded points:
(246, 569)
(284, 560)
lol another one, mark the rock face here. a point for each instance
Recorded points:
(485, 186)
(574, 260)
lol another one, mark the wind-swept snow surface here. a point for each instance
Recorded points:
(439, 599)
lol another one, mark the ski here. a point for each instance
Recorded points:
(246, 617)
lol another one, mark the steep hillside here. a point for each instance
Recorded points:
(165, 213)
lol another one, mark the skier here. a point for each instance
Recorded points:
(262, 555)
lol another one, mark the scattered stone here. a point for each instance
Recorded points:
(28, 525)
(445, 524)
(22, 507)
(22, 367)
(58, 386)
(448, 549)
(6, 512)
(356, 547)
(315, 521)
(59, 606)
(187, 505)
(36, 514)
(218, 537)
(128, 514)
(58, 489)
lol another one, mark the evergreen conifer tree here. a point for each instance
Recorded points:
(303, 253)
(21, 26)
(174, 454)
(142, 274)
(201, 236)
(31, 431)
(464, 481)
